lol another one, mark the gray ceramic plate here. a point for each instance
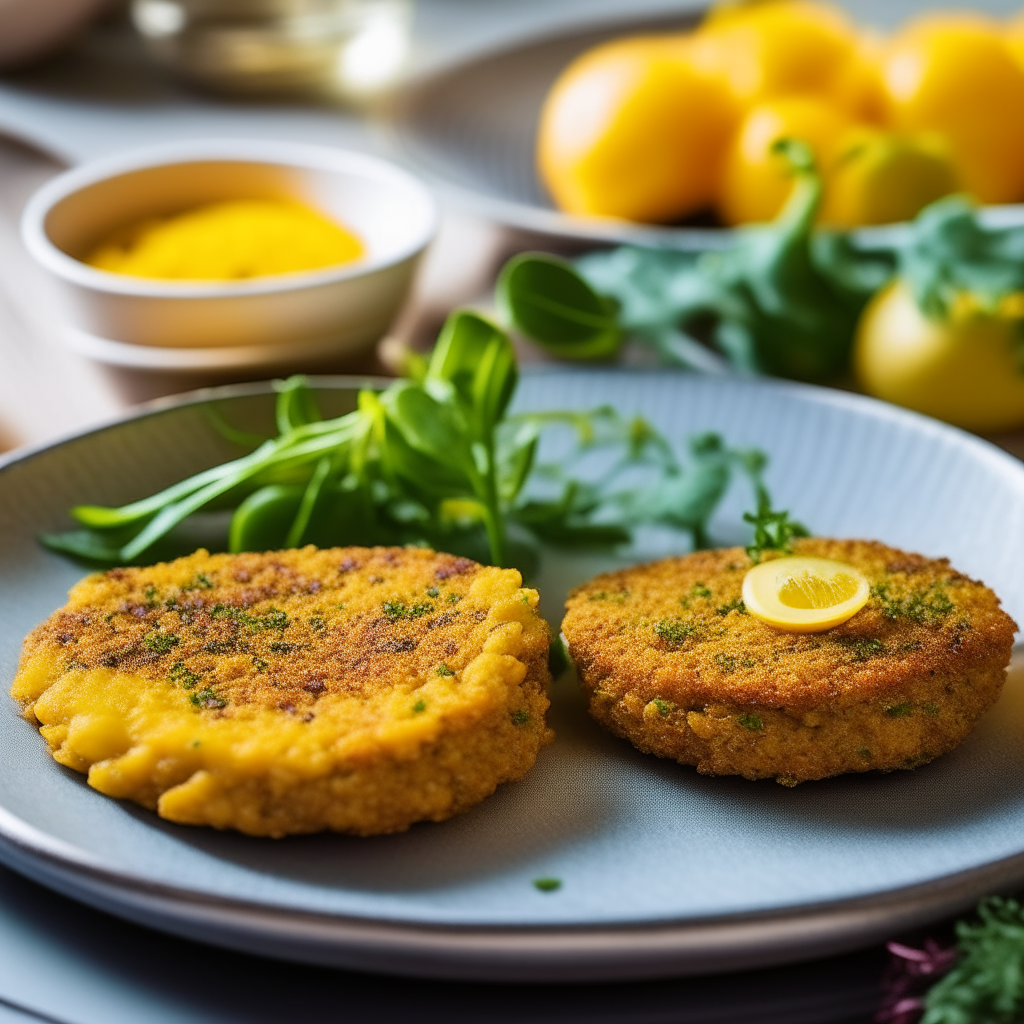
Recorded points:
(664, 871)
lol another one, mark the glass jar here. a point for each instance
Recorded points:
(351, 48)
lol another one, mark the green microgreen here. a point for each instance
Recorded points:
(773, 531)
(444, 670)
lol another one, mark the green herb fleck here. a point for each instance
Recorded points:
(197, 743)
(900, 710)
(180, 673)
(735, 605)
(317, 623)
(726, 662)
(700, 590)
(928, 605)
(160, 643)
(420, 705)
(273, 619)
(151, 594)
(930, 709)
(674, 632)
(279, 647)
(615, 596)
(207, 699)
(750, 721)
(259, 664)
(520, 717)
(663, 707)
(200, 582)
(444, 670)
(862, 650)
(432, 592)
(864, 753)
(394, 611)
(748, 663)
(547, 884)
(454, 598)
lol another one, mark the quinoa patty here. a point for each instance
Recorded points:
(352, 689)
(670, 660)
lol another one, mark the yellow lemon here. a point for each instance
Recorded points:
(755, 181)
(965, 370)
(804, 595)
(634, 129)
(955, 74)
(776, 48)
(1015, 38)
(881, 177)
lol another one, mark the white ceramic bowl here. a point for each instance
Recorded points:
(158, 324)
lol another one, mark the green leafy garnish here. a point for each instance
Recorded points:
(782, 299)
(773, 531)
(751, 721)
(434, 459)
(543, 297)
(949, 253)
(444, 670)
(987, 984)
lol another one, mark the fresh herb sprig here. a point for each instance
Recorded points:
(773, 531)
(980, 980)
(434, 459)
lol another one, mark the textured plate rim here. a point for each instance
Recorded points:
(626, 951)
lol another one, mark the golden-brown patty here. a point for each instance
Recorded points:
(670, 659)
(352, 689)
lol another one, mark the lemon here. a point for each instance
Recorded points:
(804, 595)
(881, 177)
(963, 370)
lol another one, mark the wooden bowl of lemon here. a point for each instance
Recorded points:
(214, 255)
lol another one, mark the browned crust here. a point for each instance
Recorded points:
(279, 629)
(669, 660)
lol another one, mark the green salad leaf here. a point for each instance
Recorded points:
(435, 458)
(784, 298)
(949, 252)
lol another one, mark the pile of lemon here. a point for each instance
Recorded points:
(658, 128)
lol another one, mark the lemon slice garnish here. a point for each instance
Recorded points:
(804, 595)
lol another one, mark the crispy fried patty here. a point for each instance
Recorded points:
(669, 659)
(352, 689)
